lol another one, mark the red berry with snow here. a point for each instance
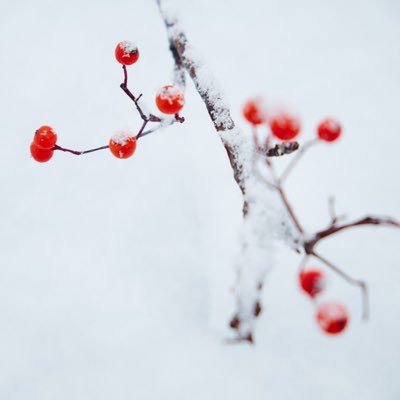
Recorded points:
(122, 145)
(312, 281)
(329, 130)
(126, 52)
(253, 111)
(45, 137)
(39, 154)
(332, 318)
(170, 99)
(285, 126)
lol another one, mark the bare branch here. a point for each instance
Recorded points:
(79, 153)
(281, 192)
(368, 220)
(124, 87)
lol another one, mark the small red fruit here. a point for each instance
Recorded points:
(312, 281)
(126, 52)
(39, 154)
(45, 137)
(332, 317)
(170, 99)
(122, 144)
(329, 130)
(253, 111)
(285, 127)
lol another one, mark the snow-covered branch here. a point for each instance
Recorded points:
(264, 220)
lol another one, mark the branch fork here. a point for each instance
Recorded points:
(145, 118)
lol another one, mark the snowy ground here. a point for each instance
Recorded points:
(115, 275)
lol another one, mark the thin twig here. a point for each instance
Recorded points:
(139, 134)
(79, 153)
(368, 220)
(283, 196)
(352, 281)
(124, 87)
(289, 208)
(332, 212)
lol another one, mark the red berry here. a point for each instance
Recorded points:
(329, 130)
(45, 137)
(122, 145)
(39, 154)
(253, 111)
(312, 281)
(126, 52)
(285, 127)
(170, 99)
(332, 318)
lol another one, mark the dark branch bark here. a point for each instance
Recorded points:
(178, 44)
(334, 228)
(281, 149)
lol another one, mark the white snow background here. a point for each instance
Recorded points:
(115, 275)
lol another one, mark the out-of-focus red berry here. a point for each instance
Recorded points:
(170, 99)
(253, 111)
(329, 130)
(285, 126)
(312, 281)
(39, 154)
(45, 137)
(126, 52)
(332, 318)
(122, 145)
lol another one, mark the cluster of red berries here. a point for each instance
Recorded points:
(284, 126)
(42, 146)
(331, 317)
(169, 100)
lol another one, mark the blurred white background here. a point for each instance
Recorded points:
(115, 275)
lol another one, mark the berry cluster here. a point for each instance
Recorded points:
(331, 317)
(284, 126)
(169, 100)
(44, 140)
